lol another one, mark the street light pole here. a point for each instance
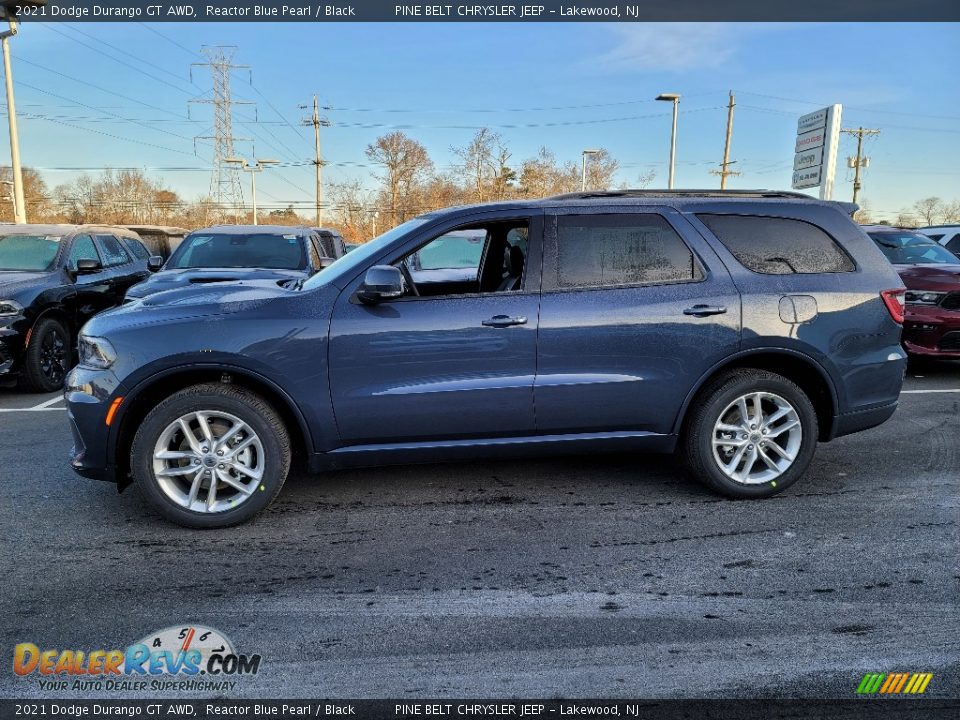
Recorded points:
(253, 169)
(675, 99)
(583, 168)
(19, 206)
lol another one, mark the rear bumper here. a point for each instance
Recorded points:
(854, 422)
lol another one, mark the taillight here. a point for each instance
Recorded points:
(894, 300)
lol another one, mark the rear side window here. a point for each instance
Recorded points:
(326, 245)
(778, 246)
(953, 244)
(604, 250)
(136, 248)
(113, 253)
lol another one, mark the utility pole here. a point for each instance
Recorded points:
(723, 172)
(19, 206)
(859, 161)
(317, 123)
(225, 188)
(257, 166)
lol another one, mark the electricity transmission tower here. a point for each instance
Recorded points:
(226, 190)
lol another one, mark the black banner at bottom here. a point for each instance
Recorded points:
(909, 709)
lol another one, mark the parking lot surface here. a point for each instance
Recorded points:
(610, 576)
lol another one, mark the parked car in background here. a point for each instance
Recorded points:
(931, 326)
(738, 327)
(53, 278)
(946, 235)
(161, 240)
(332, 242)
(350, 247)
(227, 253)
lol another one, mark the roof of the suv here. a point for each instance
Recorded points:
(885, 228)
(65, 229)
(673, 198)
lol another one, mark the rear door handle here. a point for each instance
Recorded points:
(705, 310)
(502, 321)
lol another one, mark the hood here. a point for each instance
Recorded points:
(942, 278)
(13, 282)
(188, 302)
(198, 277)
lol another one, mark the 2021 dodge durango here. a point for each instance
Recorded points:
(738, 329)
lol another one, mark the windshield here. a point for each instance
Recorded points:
(909, 248)
(28, 252)
(274, 251)
(363, 252)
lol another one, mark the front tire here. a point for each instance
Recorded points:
(211, 456)
(751, 434)
(47, 357)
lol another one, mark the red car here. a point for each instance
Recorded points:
(931, 274)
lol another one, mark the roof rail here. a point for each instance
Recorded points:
(641, 193)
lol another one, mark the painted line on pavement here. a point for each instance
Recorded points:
(929, 392)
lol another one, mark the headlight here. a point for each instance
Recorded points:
(10, 307)
(96, 352)
(924, 297)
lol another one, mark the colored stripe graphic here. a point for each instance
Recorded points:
(894, 683)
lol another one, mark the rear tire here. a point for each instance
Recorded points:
(229, 467)
(750, 434)
(47, 358)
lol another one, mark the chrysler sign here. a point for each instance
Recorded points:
(815, 150)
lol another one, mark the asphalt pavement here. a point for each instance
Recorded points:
(592, 576)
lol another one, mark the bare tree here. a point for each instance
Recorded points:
(484, 160)
(35, 195)
(406, 164)
(929, 210)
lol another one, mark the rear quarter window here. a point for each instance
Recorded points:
(778, 246)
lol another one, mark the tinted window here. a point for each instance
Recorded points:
(936, 237)
(316, 252)
(778, 246)
(28, 252)
(113, 252)
(275, 251)
(82, 249)
(326, 245)
(136, 248)
(910, 248)
(596, 250)
(953, 244)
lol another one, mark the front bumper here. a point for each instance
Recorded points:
(931, 331)
(12, 343)
(88, 394)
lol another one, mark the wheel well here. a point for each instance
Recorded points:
(58, 314)
(148, 398)
(802, 372)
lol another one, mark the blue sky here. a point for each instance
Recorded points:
(566, 86)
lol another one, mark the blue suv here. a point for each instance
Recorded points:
(736, 328)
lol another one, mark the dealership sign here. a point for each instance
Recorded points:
(815, 150)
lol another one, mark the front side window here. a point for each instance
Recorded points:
(274, 251)
(113, 252)
(82, 249)
(136, 248)
(628, 249)
(910, 248)
(483, 258)
(28, 252)
(778, 246)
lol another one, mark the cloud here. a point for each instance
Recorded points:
(671, 46)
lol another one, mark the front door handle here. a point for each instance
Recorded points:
(502, 321)
(705, 310)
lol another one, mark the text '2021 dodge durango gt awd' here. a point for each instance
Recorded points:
(737, 328)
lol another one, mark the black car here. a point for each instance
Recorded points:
(227, 253)
(53, 278)
(160, 240)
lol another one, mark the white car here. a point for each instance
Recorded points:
(946, 235)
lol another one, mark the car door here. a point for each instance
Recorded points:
(635, 307)
(120, 267)
(441, 365)
(93, 292)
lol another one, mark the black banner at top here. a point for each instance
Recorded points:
(306, 11)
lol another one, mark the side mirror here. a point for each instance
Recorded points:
(154, 263)
(86, 266)
(382, 282)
